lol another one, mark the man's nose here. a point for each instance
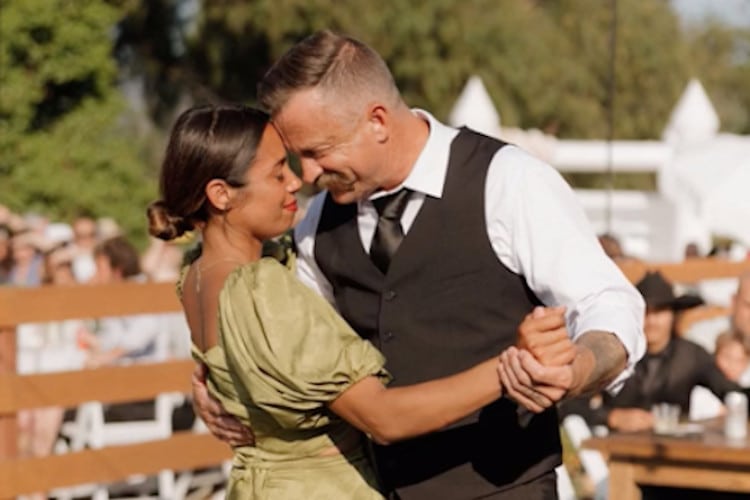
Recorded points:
(295, 184)
(311, 170)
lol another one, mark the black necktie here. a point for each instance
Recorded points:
(652, 377)
(388, 234)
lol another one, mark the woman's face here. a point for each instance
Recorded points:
(732, 360)
(23, 253)
(266, 205)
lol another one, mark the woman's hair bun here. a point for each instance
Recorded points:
(163, 224)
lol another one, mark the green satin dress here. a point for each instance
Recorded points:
(283, 354)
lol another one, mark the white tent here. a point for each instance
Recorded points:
(714, 178)
(703, 175)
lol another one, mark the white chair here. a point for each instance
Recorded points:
(89, 430)
(592, 461)
(565, 489)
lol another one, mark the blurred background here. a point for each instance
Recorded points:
(642, 105)
(89, 88)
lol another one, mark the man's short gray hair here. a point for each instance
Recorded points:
(335, 64)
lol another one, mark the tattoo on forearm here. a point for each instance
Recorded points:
(609, 357)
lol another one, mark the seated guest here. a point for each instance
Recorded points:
(667, 373)
(123, 338)
(732, 356)
(705, 332)
(131, 338)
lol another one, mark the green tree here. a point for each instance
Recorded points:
(65, 146)
(432, 48)
(546, 63)
(650, 65)
(720, 58)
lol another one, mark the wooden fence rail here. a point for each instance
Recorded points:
(138, 382)
(117, 384)
(687, 272)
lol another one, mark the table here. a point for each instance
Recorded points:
(706, 461)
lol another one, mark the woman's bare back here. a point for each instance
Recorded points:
(200, 299)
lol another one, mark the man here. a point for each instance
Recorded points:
(668, 372)
(432, 285)
(122, 338)
(705, 332)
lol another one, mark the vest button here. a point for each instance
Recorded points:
(390, 295)
(388, 336)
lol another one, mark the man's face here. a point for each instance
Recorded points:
(741, 309)
(658, 328)
(336, 153)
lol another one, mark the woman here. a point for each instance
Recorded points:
(279, 357)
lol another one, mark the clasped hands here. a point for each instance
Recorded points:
(537, 371)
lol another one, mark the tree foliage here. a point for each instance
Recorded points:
(720, 56)
(69, 144)
(545, 63)
(65, 148)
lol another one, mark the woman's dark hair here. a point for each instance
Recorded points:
(207, 142)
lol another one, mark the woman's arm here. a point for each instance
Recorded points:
(389, 415)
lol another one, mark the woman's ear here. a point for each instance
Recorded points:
(217, 192)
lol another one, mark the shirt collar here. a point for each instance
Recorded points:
(428, 173)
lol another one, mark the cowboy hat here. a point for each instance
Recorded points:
(658, 293)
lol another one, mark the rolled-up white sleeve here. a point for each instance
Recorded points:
(538, 229)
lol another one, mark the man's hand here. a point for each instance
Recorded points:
(630, 419)
(221, 424)
(543, 333)
(532, 385)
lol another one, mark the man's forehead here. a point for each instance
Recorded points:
(304, 133)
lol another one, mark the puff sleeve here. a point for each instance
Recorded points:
(287, 347)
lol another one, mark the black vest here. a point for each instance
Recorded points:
(446, 304)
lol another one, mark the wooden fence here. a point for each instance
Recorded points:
(182, 451)
(132, 383)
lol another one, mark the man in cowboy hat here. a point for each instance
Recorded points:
(667, 373)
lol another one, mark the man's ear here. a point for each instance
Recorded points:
(218, 194)
(378, 119)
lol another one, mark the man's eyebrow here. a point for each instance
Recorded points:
(315, 147)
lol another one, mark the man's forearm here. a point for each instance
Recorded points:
(601, 357)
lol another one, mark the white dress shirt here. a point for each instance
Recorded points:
(537, 228)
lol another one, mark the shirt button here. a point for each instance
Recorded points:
(390, 295)
(388, 336)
